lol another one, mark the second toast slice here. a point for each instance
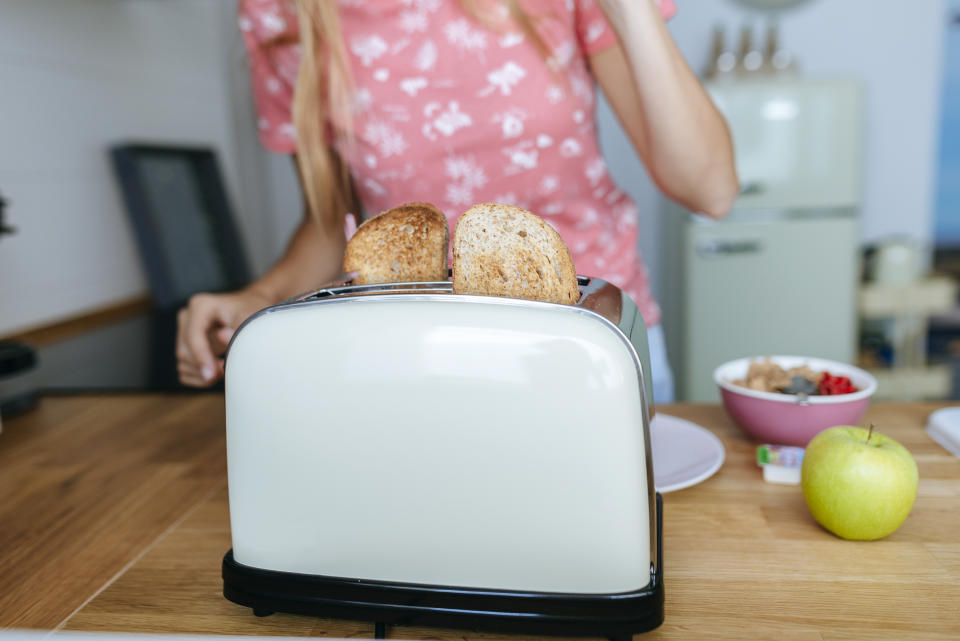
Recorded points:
(501, 250)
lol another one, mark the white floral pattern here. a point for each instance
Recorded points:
(413, 21)
(444, 120)
(511, 39)
(466, 177)
(570, 148)
(555, 94)
(511, 122)
(362, 100)
(549, 184)
(426, 56)
(465, 36)
(412, 86)
(389, 141)
(272, 21)
(368, 48)
(505, 78)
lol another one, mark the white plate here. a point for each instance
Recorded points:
(684, 453)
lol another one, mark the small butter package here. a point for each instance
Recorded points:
(780, 463)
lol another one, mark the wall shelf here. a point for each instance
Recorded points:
(907, 309)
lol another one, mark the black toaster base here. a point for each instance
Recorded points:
(612, 615)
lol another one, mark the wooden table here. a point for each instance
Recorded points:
(113, 516)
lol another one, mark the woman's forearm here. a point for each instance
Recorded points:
(689, 151)
(313, 257)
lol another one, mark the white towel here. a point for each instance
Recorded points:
(943, 426)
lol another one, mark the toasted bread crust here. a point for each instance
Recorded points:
(405, 244)
(501, 250)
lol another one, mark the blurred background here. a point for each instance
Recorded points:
(128, 142)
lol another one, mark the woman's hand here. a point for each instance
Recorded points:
(205, 326)
(204, 329)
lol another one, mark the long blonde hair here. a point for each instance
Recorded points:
(322, 109)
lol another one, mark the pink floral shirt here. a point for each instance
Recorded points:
(451, 112)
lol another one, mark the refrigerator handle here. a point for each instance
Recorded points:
(717, 248)
(752, 188)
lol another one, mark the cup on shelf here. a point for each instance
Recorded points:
(895, 262)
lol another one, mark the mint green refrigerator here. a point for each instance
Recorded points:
(780, 274)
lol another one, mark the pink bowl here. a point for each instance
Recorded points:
(787, 419)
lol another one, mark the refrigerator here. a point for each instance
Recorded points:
(780, 274)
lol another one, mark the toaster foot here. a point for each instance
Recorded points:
(260, 612)
(379, 630)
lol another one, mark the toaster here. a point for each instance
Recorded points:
(402, 454)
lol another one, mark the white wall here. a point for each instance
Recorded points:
(894, 48)
(77, 77)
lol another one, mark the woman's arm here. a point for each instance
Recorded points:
(313, 256)
(677, 131)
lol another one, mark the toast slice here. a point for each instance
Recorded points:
(401, 245)
(501, 250)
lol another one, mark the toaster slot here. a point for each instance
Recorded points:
(589, 288)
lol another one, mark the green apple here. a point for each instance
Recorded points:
(858, 484)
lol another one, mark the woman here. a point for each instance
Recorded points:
(460, 102)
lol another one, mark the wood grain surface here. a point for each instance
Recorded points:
(87, 484)
(114, 518)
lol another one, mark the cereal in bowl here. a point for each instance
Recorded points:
(766, 376)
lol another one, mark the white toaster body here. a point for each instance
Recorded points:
(412, 437)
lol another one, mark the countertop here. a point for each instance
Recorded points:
(114, 517)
